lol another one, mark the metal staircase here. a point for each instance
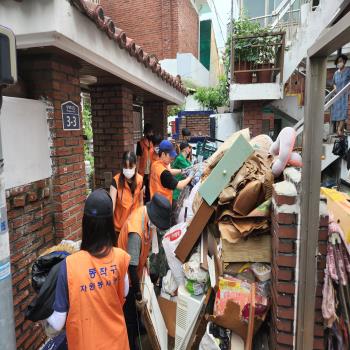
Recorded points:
(330, 99)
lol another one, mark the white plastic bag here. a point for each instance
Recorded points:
(208, 341)
(169, 284)
(186, 212)
(193, 271)
(170, 242)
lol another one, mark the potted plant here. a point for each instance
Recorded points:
(266, 56)
(245, 54)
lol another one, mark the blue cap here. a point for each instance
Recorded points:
(167, 147)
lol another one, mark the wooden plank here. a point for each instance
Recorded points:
(221, 175)
(194, 231)
(152, 316)
(310, 200)
(254, 249)
(332, 39)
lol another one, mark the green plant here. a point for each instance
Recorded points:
(213, 97)
(251, 43)
(174, 110)
(87, 130)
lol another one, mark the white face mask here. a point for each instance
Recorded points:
(129, 173)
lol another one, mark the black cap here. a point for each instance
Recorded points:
(186, 132)
(184, 145)
(99, 204)
(159, 211)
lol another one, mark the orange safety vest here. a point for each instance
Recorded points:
(137, 222)
(96, 298)
(147, 153)
(155, 184)
(126, 202)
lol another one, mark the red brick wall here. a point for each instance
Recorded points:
(44, 212)
(58, 80)
(199, 125)
(283, 288)
(112, 123)
(253, 117)
(188, 28)
(30, 216)
(156, 114)
(168, 26)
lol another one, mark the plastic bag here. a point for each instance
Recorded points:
(57, 343)
(170, 242)
(196, 288)
(42, 306)
(169, 284)
(186, 211)
(193, 271)
(42, 267)
(340, 146)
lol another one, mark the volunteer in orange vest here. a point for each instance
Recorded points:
(136, 238)
(144, 152)
(93, 283)
(156, 140)
(126, 191)
(162, 178)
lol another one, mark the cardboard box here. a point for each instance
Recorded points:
(253, 249)
(168, 310)
(338, 204)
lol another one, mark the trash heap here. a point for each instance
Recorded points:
(217, 291)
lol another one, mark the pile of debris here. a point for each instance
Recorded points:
(216, 294)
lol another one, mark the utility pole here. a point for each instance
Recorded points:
(8, 75)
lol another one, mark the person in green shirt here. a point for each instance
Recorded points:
(181, 162)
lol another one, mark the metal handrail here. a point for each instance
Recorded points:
(299, 126)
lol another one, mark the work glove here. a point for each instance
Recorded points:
(186, 172)
(141, 305)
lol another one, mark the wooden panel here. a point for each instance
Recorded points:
(254, 249)
(194, 231)
(221, 175)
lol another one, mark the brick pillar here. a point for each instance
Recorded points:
(156, 114)
(112, 123)
(285, 217)
(57, 79)
(253, 117)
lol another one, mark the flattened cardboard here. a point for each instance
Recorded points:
(168, 309)
(232, 320)
(338, 204)
(194, 231)
(253, 249)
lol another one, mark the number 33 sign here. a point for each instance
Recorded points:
(70, 116)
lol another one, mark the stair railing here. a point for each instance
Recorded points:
(330, 99)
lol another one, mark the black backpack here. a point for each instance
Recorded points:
(340, 146)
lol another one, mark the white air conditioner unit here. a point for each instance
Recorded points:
(187, 312)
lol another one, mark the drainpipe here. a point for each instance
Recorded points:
(7, 324)
(8, 75)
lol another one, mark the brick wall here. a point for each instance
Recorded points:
(284, 255)
(30, 216)
(199, 125)
(188, 27)
(156, 114)
(168, 26)
(254, 117)
(112, 124)
(57, 79)
(42, 213)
